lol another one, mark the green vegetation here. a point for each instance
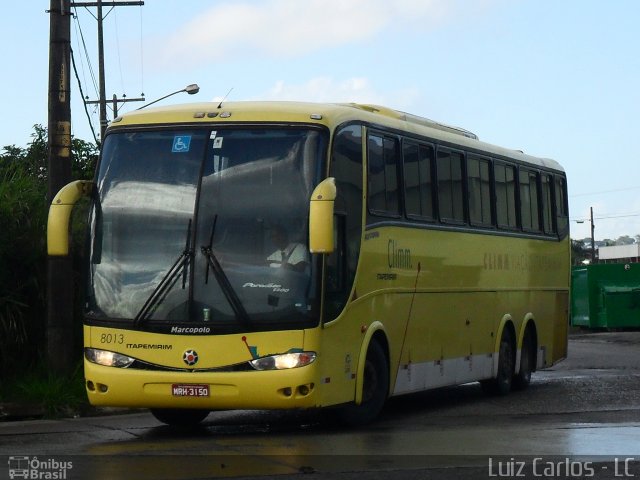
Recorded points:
(40, 393)
(579, 253)
(23, 264)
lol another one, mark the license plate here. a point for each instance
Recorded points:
(182, 390)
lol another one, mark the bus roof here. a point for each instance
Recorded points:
(328, 114)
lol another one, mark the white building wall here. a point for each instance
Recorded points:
(619, 251)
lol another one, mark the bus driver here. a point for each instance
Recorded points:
(292, 255)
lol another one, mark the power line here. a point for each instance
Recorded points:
(141, 56)
(102, 101)
(82, 47)
(607, 217)
(115, 24)
(618, 216)
(86, 50)
(75, 70)
(604, 191)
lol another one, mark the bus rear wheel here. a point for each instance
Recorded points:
(527, 362)
(179, 417)
(375, 389)
(501, 384)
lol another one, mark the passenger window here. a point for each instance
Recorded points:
(383, 153)
(562, 210)
(479, 184)
(450, 191)
(418, 182)
(505, 196)
(547, 204)
(529, 210)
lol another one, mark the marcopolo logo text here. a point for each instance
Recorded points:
(190, 329)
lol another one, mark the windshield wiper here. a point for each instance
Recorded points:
(167, 282)
(227, 289)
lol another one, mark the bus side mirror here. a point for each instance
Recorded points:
(60, 213)
(321, 217)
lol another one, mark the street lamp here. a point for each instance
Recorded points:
(190, 89)
(593, 242)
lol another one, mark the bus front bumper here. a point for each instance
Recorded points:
(272, 389)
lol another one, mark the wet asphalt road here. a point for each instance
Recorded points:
(580, 419)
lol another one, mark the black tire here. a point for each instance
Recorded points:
(501, 384)
(179, 417)
(375, 389)
(522, 379)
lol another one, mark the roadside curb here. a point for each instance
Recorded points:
(14, 412)
(20, 411)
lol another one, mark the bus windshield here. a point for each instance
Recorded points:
(205, 226)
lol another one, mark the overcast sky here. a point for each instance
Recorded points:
(559, 79)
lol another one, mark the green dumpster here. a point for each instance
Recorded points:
(606, 296)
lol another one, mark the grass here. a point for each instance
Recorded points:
(55, 396)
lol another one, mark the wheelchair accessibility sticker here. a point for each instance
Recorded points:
(181, 144)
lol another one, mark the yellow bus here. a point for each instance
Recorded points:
(280, 255)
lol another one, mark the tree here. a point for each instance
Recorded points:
(23, 220)
(579, 253)
(625, 240)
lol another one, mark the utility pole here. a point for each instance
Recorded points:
(60, 354)
(60, 331)
(101, 79)
(102, 101)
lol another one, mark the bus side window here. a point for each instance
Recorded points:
(336, 293)
(346, 168)
(479, 185)
(505, 196)
(562, 211)
(384, 194)
(547, 204)
(450, 186)
(418, 180)
(529, 210)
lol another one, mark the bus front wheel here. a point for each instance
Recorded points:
(375, 389)
(179, 417)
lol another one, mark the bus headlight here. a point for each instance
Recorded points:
(107, 358)
(283, 361)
